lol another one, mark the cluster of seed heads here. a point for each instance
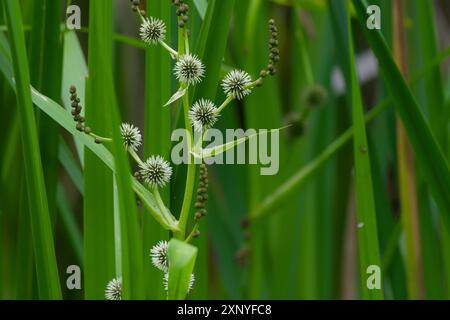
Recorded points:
(274, 55)
(76, 113)
(182, 12)
(202, 194)
(135, 6)
(295, 123)
(314, 96)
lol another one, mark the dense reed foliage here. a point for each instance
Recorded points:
(339, 188)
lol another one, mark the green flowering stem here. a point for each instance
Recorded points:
(186, 41)
(140, 15)
(173, 53)
(160, 202)
(193, 233)
(135, 156)
(100, 138)
(253, 84)
(183, 47)
(190, 179)
(225, 103)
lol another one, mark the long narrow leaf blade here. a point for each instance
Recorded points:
(427, 151)
(46, 267)
(369, 252)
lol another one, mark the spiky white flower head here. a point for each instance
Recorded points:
(189, 69)
(159, 256)
(203, 114)
(235, 84)
(152, 30)
(132, 138)
(114, 289)
(191, 282)
(156, 171)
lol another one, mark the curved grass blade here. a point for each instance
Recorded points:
(426, 150)
(46, 266)
(101, 80)
(201, 6)
(157, 134)
(98, 215)
(368, 246)
(69, 222)
(45, 72)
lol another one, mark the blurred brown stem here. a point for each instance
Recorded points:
(406, 174)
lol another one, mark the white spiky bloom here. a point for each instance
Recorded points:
(189, 69)
(132, 138)
(159, 256)
(191, 282)
(152, 30)
(235, 84)
(156, 171)
(203, 115)
(113, 289)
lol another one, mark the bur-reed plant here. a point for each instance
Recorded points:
(150, 229)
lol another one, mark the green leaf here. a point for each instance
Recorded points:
(157, 133)
(201, 6)
(69, 163)
(98, 213)
(368, 246)
(69, 222)
(46, 267)
(101, 80)
(181, 264)
(427, 152)
(176, 96)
